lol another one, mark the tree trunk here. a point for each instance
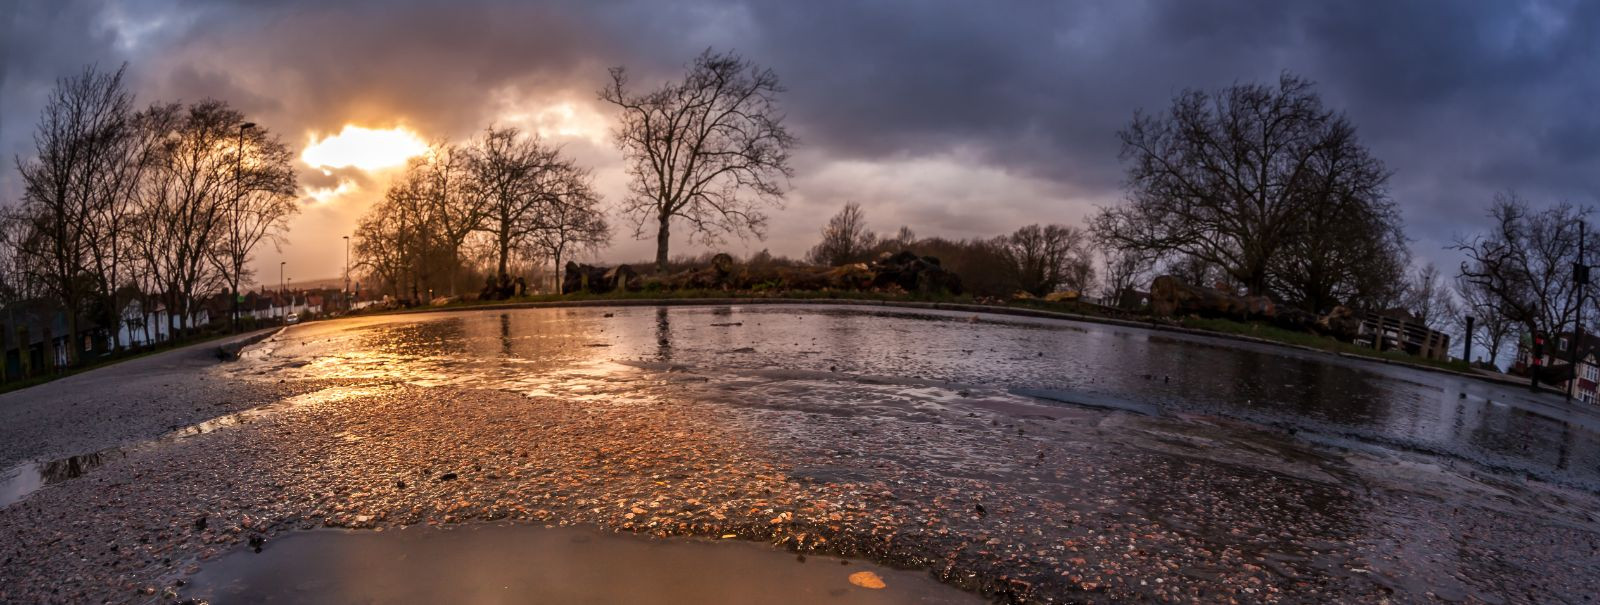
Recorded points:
(661, 243)
(172, 319)
(455, 265)
(558, 272)
(505, 251)
(72, 339)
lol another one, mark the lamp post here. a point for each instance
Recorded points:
(238, 197)
(1580, 278)
(347, 271)
(281, 289)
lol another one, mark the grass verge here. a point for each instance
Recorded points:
(1315, 341)
(108, 360)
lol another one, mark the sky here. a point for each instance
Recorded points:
(959, 118)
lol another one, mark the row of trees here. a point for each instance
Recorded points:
(709, 150)
(166, 202)
(1037, 259)
(503, 197)
(1262, 188)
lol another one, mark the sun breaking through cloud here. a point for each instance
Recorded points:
(364, 148)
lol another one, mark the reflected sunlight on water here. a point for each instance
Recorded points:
(877, 359)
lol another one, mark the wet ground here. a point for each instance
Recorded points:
(1023, 459)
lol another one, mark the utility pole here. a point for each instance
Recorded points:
(347, 271)
(1580, 277)
(1466, 344)
(238, 198)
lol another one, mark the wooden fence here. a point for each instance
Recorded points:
(1390, 333)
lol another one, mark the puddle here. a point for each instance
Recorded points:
(19, 481)
(524, 564)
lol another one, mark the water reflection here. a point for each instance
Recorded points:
(663, 335)
(577, 351)
(489, 564)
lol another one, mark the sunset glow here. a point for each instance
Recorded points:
(364, 148)
(1164, 300)
(322, 195)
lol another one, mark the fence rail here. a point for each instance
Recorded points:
(1388, 333)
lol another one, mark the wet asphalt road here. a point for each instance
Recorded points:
(1025, 459)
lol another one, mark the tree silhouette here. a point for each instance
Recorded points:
(1234, 179)
(699, 149)
(845, 239)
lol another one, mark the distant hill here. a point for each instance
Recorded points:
(312, 284)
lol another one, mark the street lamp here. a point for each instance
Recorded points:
(281, 288)
(1580, 278)
(238, 196)
(347, 269)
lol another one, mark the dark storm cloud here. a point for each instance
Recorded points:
(1481, 96)
(39, 42)
(1460, 99)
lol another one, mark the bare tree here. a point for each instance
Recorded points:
(65, 194)
(156, 212)
(694, 147)
(384, 245)
(902, 239)
(572, 225)
(1125, 269)
(845, 239)
(1197, 271)
(1349, 248)
(1491, 329)
(1523, 263)
(1044, 259)
(1429, 299)
(258, 205)
(1229, 178)
(529, 190)
(437, 190)
(185, 202)
(112, 251)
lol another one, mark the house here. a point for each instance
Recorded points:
(145, 322)
(275, 306)
(36, 337)
(1555, 365)
(1586, 390)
